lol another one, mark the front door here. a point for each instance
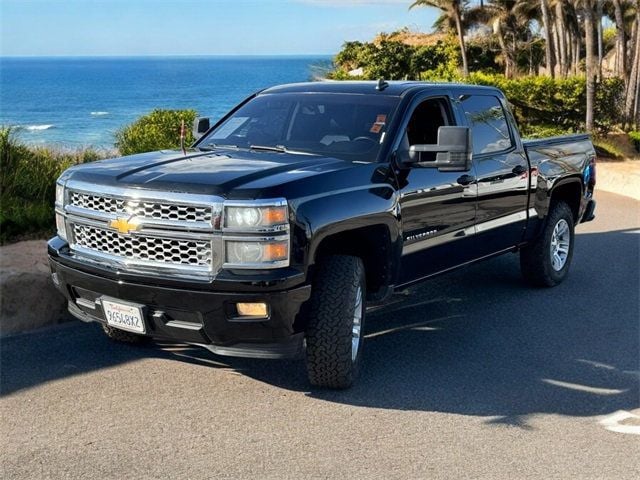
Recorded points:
(438, 208)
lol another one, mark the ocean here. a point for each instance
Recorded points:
(81, 102)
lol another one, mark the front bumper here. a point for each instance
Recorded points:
(198, 314)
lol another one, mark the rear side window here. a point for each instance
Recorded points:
(488, 124)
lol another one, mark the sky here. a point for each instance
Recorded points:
(198, 27)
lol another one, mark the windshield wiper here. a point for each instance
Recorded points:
(278, 148)
(275, 148)
(213, 146)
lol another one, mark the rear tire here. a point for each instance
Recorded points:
(334, 334)
(122, 336)
(545, 261)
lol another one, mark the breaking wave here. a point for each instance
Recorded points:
(98, 114)
(36, 127)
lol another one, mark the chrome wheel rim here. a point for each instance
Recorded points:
(356, 329)
(560, 243)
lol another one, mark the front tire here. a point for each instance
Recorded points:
(334, 334)
(545, 262)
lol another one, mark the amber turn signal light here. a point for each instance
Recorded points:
(274, 215)
(275, 251)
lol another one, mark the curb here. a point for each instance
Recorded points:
(622, 178)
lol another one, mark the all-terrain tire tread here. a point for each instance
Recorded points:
(328, 357)
(535, 261)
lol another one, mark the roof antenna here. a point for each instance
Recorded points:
(182, 138)
(382, 84)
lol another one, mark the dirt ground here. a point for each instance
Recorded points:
(28, 299)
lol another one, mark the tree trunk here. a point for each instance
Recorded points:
(631, 101)
(589, 39)
(561, 43)
(621, 43)
(599, 37)
(631, 47)
(576, 54)
(548, 39)
(463, 50)
(508, 61)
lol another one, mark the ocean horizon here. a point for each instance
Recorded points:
(81, 101)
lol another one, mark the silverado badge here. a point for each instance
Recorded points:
(124, 225)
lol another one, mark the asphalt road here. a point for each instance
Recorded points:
(472, 375)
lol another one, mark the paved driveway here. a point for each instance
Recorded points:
(470, 375)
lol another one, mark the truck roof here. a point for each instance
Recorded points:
(394, 88)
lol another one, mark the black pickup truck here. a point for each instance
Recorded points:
(271, 234)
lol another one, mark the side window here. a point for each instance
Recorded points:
(488, 124)
(425, 121)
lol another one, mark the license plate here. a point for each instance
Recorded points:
(125, 316)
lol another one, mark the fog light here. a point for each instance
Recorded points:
(252, 309)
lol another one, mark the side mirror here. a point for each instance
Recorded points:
(452, 152)
(200, 126)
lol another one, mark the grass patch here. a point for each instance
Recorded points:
(607, 149)
(27, 184)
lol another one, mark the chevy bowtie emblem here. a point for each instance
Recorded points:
(124, 225)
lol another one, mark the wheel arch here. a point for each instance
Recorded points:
(375, 244)
(569, 191)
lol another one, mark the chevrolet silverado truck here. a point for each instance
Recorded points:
(269, 236)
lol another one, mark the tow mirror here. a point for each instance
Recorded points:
(452, 153)
(200, 126)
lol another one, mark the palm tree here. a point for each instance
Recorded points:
(510, 22)
(632, 101)
(588, 7)
(452, 10)
(548, 38)
(621, 39)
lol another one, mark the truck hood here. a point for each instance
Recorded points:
(213, 173)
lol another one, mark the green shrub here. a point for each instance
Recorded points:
(394, 60)
(606, 149)
(635, 138)
(158, 130)
(27, 182)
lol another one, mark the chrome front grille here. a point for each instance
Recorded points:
(144, 247)
(156, 233)
(141, 208)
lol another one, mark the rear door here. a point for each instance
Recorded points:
(438, 208)
(502, 173)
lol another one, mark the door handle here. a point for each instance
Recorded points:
(519, 170)
(466, 179)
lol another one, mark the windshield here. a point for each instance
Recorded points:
(345, 126)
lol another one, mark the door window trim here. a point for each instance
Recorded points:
(512, 137)
(445, 95)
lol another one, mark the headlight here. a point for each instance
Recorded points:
(256, 233)
(271, 217)
(61, 226)
(59, 194)
(252, 253)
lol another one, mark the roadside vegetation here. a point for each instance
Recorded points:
(27, 184)
(157, 130)
(28, 173)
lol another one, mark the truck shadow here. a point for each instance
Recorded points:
(475, 342)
